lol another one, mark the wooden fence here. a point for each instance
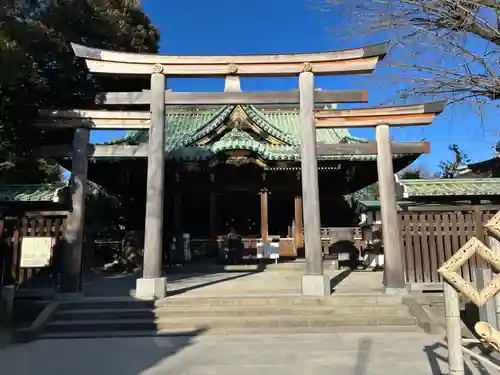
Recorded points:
(431, 235)
(12, 230)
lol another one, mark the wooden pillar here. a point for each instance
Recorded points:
(152, 285)
(453, 330)
(178, 227)
(299, 228)
(393, 250)
(264, 218)
(313, 282)
(72, 256)
(213, 214)
(494, 244)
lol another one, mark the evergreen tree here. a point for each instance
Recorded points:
(39, 70)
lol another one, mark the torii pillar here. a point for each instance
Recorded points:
(314, 282)
(153, 285)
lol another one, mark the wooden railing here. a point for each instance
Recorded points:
(430, 235)
(12, 230)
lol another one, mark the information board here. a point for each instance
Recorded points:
(36, 252)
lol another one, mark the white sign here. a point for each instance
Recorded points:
(268, 250)
(36, 252)
(344, 257)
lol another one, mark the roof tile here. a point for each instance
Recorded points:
(31, 193)
(450, 187)
(184, 127)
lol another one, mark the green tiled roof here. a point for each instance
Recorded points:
(186, 127)
(450, 187)
(374, 204)
(32, 193)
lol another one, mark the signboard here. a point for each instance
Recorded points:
(344, 257)
(268, 250)
(36, 252)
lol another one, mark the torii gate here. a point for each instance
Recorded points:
(159, 67)
(382, 118)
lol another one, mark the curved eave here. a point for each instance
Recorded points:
(259, 118)
(485, 165)
(208, 127)
(349, 61)
(278, 153)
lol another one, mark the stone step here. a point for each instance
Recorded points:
(342, 299)
(336, 300)
(259, 323)
(203, 269)
(229, 311)
(117, 303)
(430, 299)
(192, 331)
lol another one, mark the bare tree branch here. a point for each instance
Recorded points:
(446, 48)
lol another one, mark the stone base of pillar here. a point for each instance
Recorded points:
(396, 291)
(148, 289)
(316, 285)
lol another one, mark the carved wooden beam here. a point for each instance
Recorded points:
(96, 119)
(370, 148)
(141, 151)
(225, 98)
(98, 151)
(420, 114)
(97, 124)
(93, 114)
(349, 61)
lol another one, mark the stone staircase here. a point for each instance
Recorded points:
(182, 315)
(432, 305)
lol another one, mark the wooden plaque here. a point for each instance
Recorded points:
(36, 252)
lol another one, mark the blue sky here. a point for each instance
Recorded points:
(284, 26)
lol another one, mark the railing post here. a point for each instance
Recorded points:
(494, 244)
(453, 330)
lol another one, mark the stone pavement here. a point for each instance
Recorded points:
(295, 354)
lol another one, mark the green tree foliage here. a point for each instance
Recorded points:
(451, 168)
(414, 173)
(38, 70)
(371, 192)
(409, 173)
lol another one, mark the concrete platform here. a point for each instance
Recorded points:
(281, 279)
(276, 354)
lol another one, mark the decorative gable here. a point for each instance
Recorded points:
(198, 133)
(245, 120)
